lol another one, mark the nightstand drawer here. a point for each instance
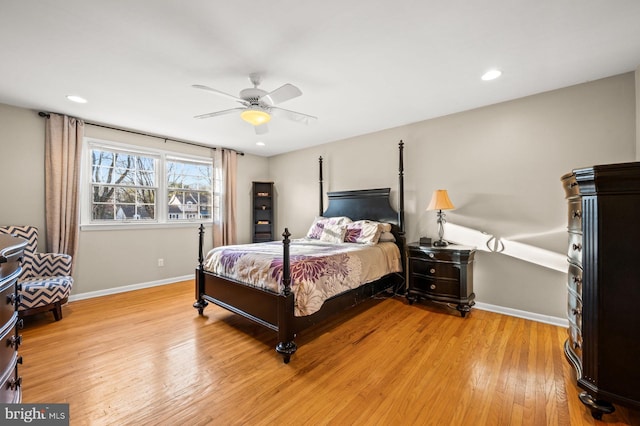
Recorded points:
(435, 255)
(435, 286)
(434, 269)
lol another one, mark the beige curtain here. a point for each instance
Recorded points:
(63, 146)
(224, 224)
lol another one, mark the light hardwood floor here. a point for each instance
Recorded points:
(146, 358)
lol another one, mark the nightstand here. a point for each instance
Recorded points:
(442, 274)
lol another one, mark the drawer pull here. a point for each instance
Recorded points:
(15, 383)
(577, 247)
(431, 255)
(432, 286)
(15, 341)
(432, 271)
(576, 213)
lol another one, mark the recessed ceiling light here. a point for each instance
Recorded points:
(77, 99)
(491, 75)
(260, 143)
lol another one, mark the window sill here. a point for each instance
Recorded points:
(134, 225)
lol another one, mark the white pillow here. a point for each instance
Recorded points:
(363, 232)
(315, 230)
(333, 233)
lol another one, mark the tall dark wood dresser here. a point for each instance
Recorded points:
(604, 284)
(11, 249)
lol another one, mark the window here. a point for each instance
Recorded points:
(123, 186)
(190, 185)
(127, 183)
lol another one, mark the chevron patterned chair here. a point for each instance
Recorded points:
(45, 281)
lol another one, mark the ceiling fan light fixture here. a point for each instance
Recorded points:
(255, 117)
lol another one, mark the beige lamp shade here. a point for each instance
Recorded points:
(440, 201)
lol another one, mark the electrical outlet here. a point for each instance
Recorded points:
(160, 262)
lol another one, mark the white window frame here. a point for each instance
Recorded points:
(162, 208)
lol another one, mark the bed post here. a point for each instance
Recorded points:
(401, 186)
(321, 190)
(286, 346)
(200, 303)
(401, 237)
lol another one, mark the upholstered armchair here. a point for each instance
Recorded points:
(45, 281)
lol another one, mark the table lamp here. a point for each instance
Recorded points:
(440, 201)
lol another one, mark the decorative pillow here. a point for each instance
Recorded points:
(333, 233)
(363, 232)
(386, 237)
(384, 227)
(315, 231)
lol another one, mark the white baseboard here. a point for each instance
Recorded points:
(547, 319)
(560, 322)
(125, 288)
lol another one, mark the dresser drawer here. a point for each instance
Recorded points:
(8, 346)
(574, 218)
(574, 252)
(570, 185)
(575, 340)
(11, 386)
(433, 269)
(7, 300)
(574, 280)
(574, 310)
(10, 254)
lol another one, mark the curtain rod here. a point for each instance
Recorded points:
(46, 115)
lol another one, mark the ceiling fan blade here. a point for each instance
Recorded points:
(218, 92)
(217, 113)
(261, 129)
(281, 94)
(294, 116)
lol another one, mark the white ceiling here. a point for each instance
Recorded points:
(362, 66)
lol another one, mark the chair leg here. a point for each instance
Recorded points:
(57, 311)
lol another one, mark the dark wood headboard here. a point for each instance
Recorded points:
(372, 204)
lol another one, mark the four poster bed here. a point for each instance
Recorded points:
(354, 250)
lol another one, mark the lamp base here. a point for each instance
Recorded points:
(440, 243)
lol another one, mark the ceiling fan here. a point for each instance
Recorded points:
(258, 105)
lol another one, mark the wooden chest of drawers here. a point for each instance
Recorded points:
(442, 274)
(603, 284)
(11, 249)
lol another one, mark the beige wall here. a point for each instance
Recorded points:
(501, 165)
(106, 259)
(22, 168)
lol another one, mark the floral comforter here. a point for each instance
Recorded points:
(319, 270)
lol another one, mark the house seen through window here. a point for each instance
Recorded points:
(128, 185)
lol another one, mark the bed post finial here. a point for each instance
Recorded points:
(321, 190)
